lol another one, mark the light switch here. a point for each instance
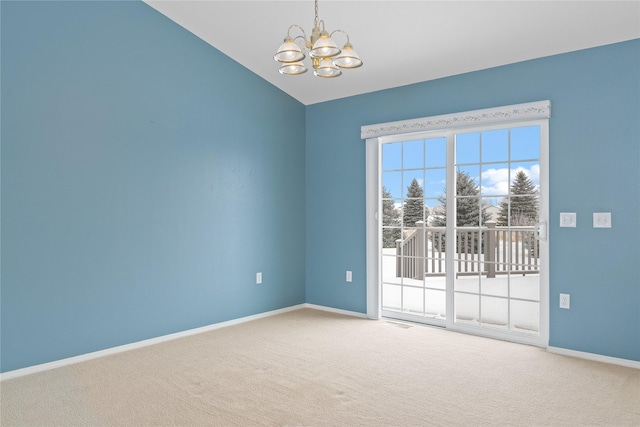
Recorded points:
(602, 220)
(567, 219)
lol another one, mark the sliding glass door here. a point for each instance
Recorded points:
(462, 231)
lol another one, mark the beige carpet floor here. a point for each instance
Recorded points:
(314, 368)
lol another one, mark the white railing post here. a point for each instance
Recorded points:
(399, 243)
(420, 251)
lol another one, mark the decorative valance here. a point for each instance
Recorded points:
(528, 111)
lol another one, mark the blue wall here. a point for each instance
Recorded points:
(594, 167)
(146, 178)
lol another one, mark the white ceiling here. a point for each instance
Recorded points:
(404, 42)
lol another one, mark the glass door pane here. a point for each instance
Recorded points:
(497, 277)
(412, 258)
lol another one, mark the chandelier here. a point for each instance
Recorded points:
(326, 58)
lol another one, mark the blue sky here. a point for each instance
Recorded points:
(492, 158)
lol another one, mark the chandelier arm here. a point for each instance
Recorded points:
(304, 35)
(340, 31)
(302, 42)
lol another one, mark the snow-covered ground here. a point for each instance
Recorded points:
(504, 302)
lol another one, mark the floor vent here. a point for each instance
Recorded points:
(401, 325)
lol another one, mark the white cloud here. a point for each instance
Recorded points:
(497, 182)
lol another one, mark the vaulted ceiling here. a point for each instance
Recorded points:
(403, 42)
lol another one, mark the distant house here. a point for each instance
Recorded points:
(493, 212)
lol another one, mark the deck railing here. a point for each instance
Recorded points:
(494, 250)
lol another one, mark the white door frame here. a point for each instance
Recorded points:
(537, 112)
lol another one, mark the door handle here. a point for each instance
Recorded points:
(541, 230)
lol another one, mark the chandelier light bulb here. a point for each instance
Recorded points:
(348, 58)
(326, 69)
(293, 69)
(324, 47)
(289, 52)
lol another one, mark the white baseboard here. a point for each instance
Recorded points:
(595, 357)
(119, 349)
(336, 310)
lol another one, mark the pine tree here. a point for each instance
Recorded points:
(390, 218)
(468, 212)
(524, 203)
(414, 205)
(524, 207)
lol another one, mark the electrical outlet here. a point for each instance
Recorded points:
(349, 276)
(565, 301)
(258, 278)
